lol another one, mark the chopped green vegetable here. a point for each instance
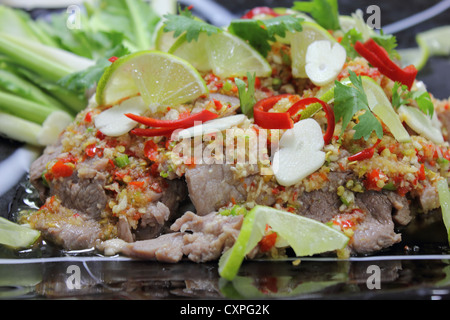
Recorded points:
(246, 96)
(51, 63)
(348, 41)
(259, 33)
(350, 100)
(185, 22)
(402, 96)
(24, 108)
(122, 161)
(15, 235)
(325, 12)
(388, 42)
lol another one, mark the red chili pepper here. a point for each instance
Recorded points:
(61, 170)
(300, 105)
(113, 59)
(364, 154)
(259, 11)
(271, 120)
(151, 150)
(189, 121)
(371, 183)
(379, 58)
(153, 132)
(422, 175)
(267, 242)
(92, 150)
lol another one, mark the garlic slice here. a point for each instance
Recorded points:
(324, 61)
(113, 122)
(300, 153)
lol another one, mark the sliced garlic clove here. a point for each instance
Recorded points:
(300, 153)
(113, 122)
(324, 61)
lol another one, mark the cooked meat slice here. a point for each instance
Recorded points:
(38, 167)
(165, 248)
(83, 191)
(199, 238)
(65, 227)
(211, 235)
(376, 229)
(402, 213)
(214, 186)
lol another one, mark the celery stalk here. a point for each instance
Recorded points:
(19, 129)
(49, 62)
(14, 84)
(143, 41)
(24, 108)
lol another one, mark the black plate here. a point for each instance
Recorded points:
(421, 270)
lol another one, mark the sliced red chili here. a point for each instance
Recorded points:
(156, 132)
(268, 241)
(259, 11)
(364, 154)
(379, 58)
(271, 120)
(61, 170)
(301, 105)
(189, 121)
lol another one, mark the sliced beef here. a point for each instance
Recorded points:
(375, 231)
(165, 248)
(65, 227)
(206, 237)
(38, 167)
(199, 238)
(161, 214)
(214, 186)
(84, 190)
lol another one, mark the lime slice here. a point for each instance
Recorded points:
(347, 23)
(417, 57)
(15, 235)
(163, 40)
(444, 200)
(437, 40)
(382, 107)
(420, 123)
(305, 236)
(160, 78)
(223, 53)
(299, 44)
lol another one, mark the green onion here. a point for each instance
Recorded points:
(122, 161)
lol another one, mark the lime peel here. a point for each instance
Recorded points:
(444, 200)
(159, 77)
(15, 235)
(223, 53)
(306, 236)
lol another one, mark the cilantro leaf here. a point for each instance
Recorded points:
(367, 123)
(325, 12)
(388, 42)
(424, 102)
(348, 41)
(246, 96)
(350, 100)
(399, 98)
(404, 97)
(186, 22)
(259, 33)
